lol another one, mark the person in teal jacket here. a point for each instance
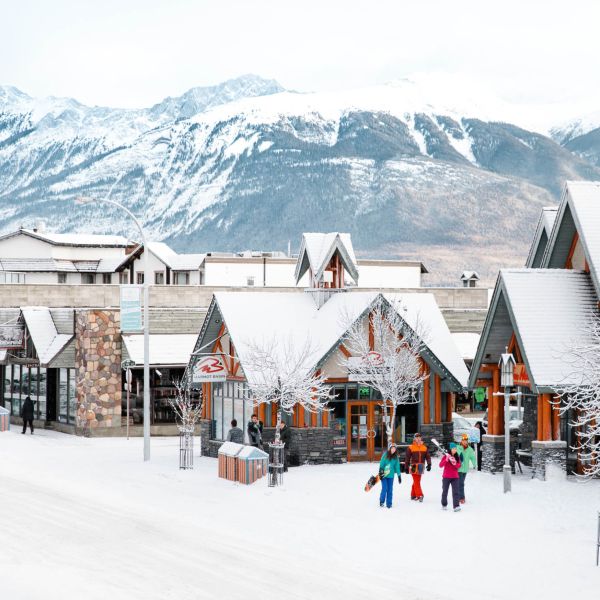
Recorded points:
(467, 457)
(389, 465)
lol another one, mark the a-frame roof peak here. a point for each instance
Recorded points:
(317, 249)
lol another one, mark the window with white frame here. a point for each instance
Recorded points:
(106, 278)
(159, 278)
(250, 280)
(140, 277)
(88, 278)
(124, 277)
(62, 278)
(181, 278)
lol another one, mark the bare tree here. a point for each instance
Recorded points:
(391, 361)
(278, 371)
(187, 410)
(583, 397)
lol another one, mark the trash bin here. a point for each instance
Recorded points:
(228, 453)
(252, 464)
(4, 419)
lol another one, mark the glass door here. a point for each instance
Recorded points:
(358, 431)
(377, 438)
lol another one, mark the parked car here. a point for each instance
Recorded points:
(461, 425)
(516, 418)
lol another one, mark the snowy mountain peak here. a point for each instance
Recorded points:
(199, 99)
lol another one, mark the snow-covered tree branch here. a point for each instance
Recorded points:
(187, 410)
(583, 397)
(280, 372)
(387, 358)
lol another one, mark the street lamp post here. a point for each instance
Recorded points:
(146, 329)
(507, 369)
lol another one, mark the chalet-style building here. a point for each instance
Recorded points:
(321, 315)
(538, 313)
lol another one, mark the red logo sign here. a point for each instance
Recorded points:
(520, 375)
(209, 369)
(210, 364)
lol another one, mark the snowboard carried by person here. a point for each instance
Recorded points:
(372, 482)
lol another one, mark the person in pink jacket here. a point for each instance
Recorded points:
(450, 463)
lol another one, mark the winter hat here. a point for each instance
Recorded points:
(465, 436)
(452, 445)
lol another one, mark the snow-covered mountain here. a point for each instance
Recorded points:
(414, 168)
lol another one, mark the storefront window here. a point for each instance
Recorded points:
(72, 396)
(16, 390)
(230, 402)
(63, 395)
(41, 376)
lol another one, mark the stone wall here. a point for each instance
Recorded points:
(546, 453)
(312, 445)
(98, 369)
(430, 431)
(492, 453)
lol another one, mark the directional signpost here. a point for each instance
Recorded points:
(126, 366)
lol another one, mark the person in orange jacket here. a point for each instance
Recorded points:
(416, 457)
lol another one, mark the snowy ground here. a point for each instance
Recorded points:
(87, 518)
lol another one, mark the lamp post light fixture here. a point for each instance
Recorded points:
(146, 324)
(507, 370)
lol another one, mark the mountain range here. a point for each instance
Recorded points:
(425, 170)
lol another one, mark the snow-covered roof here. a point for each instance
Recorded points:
(466, 343)
(253, 318)
(317, 249)
(44, 335)
(73, 239)
(579, 212)
(548, 311)
(542, 235)
(173, 260)
(466, 275)
(165, 349)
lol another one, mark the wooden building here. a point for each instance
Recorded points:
(538, 314)
(353, 428)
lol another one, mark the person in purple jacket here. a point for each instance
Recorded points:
(450, 463)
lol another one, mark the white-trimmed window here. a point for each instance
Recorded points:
(88, 278)
(250, 280)
(106, 278)
(181, 278)
(139, 277)
(159, 277)
(124, 277)
(62, 278)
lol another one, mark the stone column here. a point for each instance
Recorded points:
(545, 453)
(98, 366)
(492, 453)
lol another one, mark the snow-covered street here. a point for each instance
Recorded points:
(86, 517)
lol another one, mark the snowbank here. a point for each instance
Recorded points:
(87, 518)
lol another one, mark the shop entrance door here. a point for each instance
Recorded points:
(365, 431)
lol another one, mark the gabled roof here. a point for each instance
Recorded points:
(168, 350)
(548, 311)
(579, 212)
(44, 335)
(317, 249)
(466, 275)
(541, 237)
(73, 239)
(168, 256)
(253, 317)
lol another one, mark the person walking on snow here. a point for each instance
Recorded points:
(417, 455)
(467, 456)
(255, 428)
(27, 414)
(450, 463)
(388, 467)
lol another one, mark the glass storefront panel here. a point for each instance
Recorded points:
(16, 390)
(63, 395)
(42, 387)
(227, 415)
(8, 387)
(72, 397)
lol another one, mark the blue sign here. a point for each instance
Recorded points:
(131, 308)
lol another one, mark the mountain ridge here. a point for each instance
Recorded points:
(249, 164)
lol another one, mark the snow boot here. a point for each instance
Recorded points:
(420, 498)
(444, 508)
(457, 509)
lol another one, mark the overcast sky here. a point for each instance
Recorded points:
(136, 52)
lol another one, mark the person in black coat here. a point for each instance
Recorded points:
(255, 428)
(27, 414)
(482, 432)
(285, 435)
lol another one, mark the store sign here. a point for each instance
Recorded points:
(339, 442)
(520, 375)
(131, 308)
(364, 365)
(11, 336)
(209, 369)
